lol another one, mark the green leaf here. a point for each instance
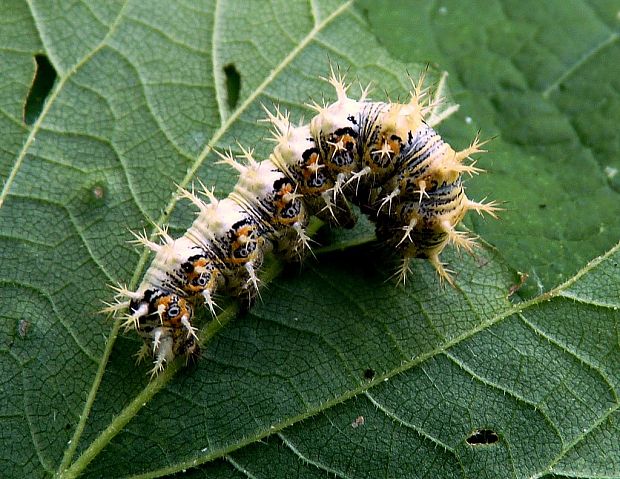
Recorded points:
(335, 370)
(543, 77)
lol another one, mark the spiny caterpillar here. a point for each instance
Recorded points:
(383, 157)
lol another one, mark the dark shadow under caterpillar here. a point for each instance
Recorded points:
(384, 157)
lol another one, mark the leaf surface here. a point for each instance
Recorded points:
(335, 371)
(544, 79)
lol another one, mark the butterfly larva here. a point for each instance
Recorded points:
(384, 157)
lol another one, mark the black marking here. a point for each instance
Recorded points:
(281, 182)
(347, 130)
(306, 155)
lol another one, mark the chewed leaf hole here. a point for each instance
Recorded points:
(482, 437)
(44, 78)
(233, 85)
(369, 374)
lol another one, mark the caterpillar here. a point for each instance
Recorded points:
(384, 157)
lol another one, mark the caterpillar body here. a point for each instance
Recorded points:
(383, 157)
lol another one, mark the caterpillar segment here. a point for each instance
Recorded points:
(422, 225)
(386, 158)
(270, 196)
(236, 238)
(298, 155)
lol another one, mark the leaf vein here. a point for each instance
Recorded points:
(37, 447)
(392, 415)
(165, 35)
(576, 441)
(147, 101)
(239, 467)
(307, 460)
(573, 354)
(218, 71)
(588, 301)
(505, 391)
(13, 120)
(63, 78)
(353, 301)
(610, 40)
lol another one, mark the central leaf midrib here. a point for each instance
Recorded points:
(363, 388)
(168, 211)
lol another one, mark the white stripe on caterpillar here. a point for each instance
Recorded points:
(384, 157)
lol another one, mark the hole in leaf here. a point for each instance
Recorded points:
(482, 437)
(44, 78)
(523, 277)
(233, 85)
(369, 373)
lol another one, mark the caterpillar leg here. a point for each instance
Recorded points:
(462, 239)
(144, 351)
(162, 351)
(422, 191)
(330, 205)
(444, 274)
(303, 240)
(132, 321)
(403, 271)
(340, 213)
(191, 330)
(253, 279)
(208, 299)
(338, 186)
(293, 243)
